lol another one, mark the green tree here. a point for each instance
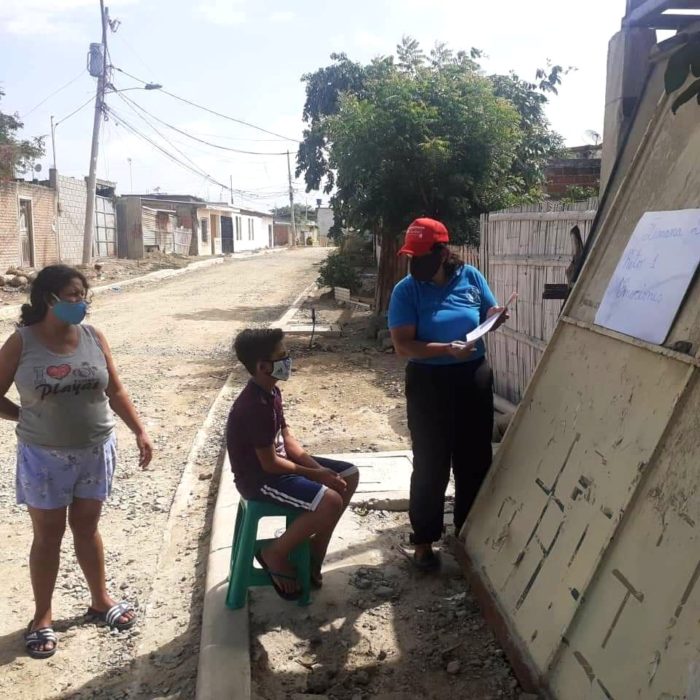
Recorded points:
(421, 136)
(538, 143)
(301, 212)
(17, 155)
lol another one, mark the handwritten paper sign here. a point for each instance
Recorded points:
(653, 275)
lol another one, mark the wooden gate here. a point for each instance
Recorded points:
(522, 249)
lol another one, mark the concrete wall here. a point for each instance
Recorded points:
(586, 535)
(9, 226)
(129, 233)
(42, 197)
(72, 200)
(325, 220)
(260, 239)
(628, 67)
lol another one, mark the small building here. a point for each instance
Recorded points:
(325, 221)
(306, 232)
(188, 225)
(147, 223)
(28, 233)
(71, 200)
(228, 229)
(255, 231)
(282, 233)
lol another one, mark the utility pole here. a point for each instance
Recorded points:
(53, 141)
(231, 187)
(291, 200)
(89, 232)
(131, 177)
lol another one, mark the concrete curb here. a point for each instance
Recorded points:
(13, 311)
(223, 670)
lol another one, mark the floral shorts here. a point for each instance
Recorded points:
(52, 477)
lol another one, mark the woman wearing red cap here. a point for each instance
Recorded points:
(449, 391)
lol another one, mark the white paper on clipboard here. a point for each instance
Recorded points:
(488, 325)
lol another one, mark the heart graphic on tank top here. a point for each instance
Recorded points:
(58, 371)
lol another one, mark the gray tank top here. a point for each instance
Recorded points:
(62, 397)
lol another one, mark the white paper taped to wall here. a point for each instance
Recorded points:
(653, 275)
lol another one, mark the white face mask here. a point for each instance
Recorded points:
(282, 369)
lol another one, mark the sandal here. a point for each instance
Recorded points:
(111, 616)
(273, 575)
(40, 637)
(428, 562)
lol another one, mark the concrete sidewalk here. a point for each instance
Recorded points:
(224, 657)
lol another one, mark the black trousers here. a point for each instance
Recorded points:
(450, 416)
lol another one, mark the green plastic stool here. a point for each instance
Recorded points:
(243, 574)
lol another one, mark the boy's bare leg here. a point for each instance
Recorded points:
(319, 522)
(320, 541)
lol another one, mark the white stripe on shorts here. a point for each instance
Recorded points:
(290, 500)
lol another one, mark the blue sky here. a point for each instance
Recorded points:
(246, 58)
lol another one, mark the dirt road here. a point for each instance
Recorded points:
(172, 343)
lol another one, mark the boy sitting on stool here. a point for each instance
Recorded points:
(270, 465)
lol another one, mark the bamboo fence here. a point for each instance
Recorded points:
(522, 249)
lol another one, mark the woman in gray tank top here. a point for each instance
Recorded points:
(66, 448)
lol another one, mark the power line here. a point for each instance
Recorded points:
(195, 138)
(119, 120)
(207, 109)
(75, 111)
(170, 143)
(55, 92)
(196, 170)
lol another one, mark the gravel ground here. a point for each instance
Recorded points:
(378, 630)
(171, 341)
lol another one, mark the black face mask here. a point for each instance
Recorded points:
(425, 267)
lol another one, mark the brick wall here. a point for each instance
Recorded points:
(282, 234)
(42, 198)
(9, 231)
(72, 197)
(578, 172)
(43, 222)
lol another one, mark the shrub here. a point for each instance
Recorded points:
(337, 271)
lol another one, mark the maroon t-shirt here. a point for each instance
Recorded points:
(256, 420)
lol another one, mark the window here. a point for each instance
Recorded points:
(251, 230)
(239, 234)
(204, 223)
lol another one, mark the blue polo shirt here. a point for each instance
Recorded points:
(443, 314)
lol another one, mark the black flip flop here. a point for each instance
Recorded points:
(272, 574)
(40, 637)
(111, 616)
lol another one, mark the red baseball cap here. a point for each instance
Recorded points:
(422, 235)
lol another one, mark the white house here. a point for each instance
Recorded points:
(252, 230)
(224, 229)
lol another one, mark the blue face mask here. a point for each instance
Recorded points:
(282, 369)
(72, 312)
